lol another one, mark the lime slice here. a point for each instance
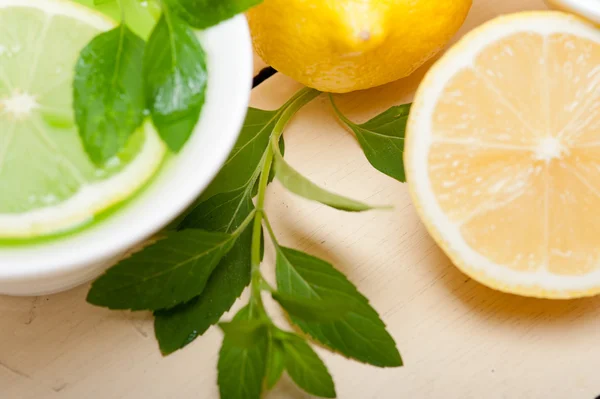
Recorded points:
(47, 183)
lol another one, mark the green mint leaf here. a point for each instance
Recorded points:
(108, 91)
(244, 333)
(163, 275)
(244, 162)
(360, 334)
(241, 371)
(306, 368)
(140, 16)
(223, 212)
(300, 185)
(382, 139)
(275, 363)
(313, 309)
(178, 327)
(202, 14)
(175, 75)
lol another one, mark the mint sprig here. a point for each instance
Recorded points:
(319, 300)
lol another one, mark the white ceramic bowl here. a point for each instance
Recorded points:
(589, 9)
(65, 263)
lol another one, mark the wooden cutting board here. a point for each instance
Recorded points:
(458, 338)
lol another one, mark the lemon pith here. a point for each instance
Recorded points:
(500, 154)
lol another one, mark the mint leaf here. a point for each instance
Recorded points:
(108, 92)
(165, 274)
(306, 368)
(180, 326)
(382, 139)
(241, 371)
(244, 333)
(177, 327)
(312, 309)
(202, 14)
(223, 212)
(244, 162)
(360, 334)
(175, 76)
(140, 16)
(300, 185)
(275, 363)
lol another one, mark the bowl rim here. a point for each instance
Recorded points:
(585, 8)
(77, 252)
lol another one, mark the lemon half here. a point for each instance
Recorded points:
(503, 154)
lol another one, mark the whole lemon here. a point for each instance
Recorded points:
(345, 45)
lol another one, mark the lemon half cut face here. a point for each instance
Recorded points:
(503, 154)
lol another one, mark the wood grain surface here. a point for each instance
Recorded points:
(458, 338)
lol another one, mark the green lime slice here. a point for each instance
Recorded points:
(48, 184)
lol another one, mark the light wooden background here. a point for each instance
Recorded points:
(458, 338)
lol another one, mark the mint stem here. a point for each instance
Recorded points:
(244, 224)
(298, 101)
(338, 112)
(270, 229)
